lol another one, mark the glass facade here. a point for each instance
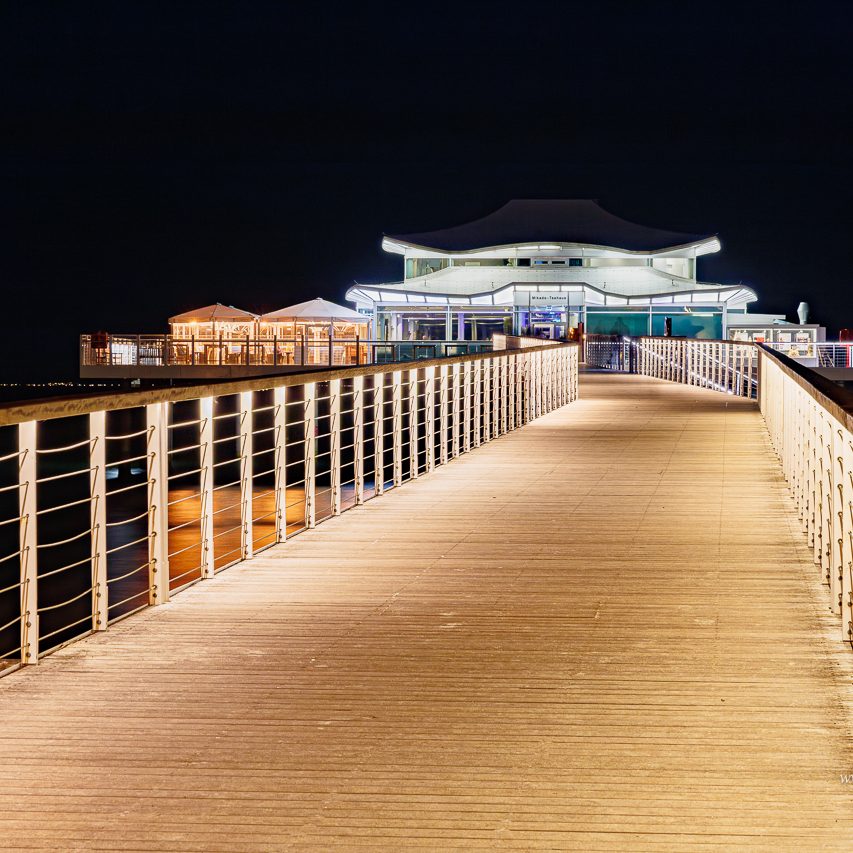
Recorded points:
(425, 266)
(705, 325)
(628, 323)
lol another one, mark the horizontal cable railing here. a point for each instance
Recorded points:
(810, 421)
(129, 350)
(730, 367)
(115, 503)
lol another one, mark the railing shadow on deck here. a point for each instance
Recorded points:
(111, 504)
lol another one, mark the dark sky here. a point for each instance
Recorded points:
(159, 157)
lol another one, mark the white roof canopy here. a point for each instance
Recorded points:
(315, 310)
(217, 313)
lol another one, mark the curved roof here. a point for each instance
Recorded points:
(214, 313)
(317, 310)
(582, 221)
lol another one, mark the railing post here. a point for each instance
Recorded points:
(157, 422)
(397, 424)
(553, 375)
(691, 363)
(335, 443)
(205, 414)
(504, 386)
(486, 364)
(467, 406)
(98, 518)
(496, 396)
(247, 479)
(443, 408)
(414, 417)
(379, 433)
(836, 542)
(550, 355)
(456, 403)
(28, 540)
(429, 416)
(827, 549)
(537, 360)
(477, 411)
(817, 545)
(511, 390)
(358, 437)
(574, 366)
(519, 362)
(280, 463)
(310, 450)
(845, 496)
(560, 384)
(808, 476)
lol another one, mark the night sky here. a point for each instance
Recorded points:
(158, 158)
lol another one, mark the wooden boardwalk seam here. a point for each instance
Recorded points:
(603, 631)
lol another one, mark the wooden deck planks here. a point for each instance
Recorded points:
(600, 632)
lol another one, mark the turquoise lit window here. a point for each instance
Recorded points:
(617, 323)
(690, 325)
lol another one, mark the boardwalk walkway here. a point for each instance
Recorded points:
(600, 632)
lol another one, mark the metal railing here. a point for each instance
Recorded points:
(819, 354)
(727, 366)
(810, 421)
(112, 504)
(119, 350)
(609, 352)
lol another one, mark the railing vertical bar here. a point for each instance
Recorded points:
(379, 433)
(358, 437)
(511, 391)
(27, 509)
(477, 411)
(456, 392)
(414, 417)
(157, 419)
(208, 554)
(280, 456)
(397, 424)
(429, 416)
(335, 443)
(98, 517)
(247, 419)
(310, 460)
(846, 498)
(443, 413)
(504, 362)
(467, 406)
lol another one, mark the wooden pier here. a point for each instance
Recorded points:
(602, 631)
